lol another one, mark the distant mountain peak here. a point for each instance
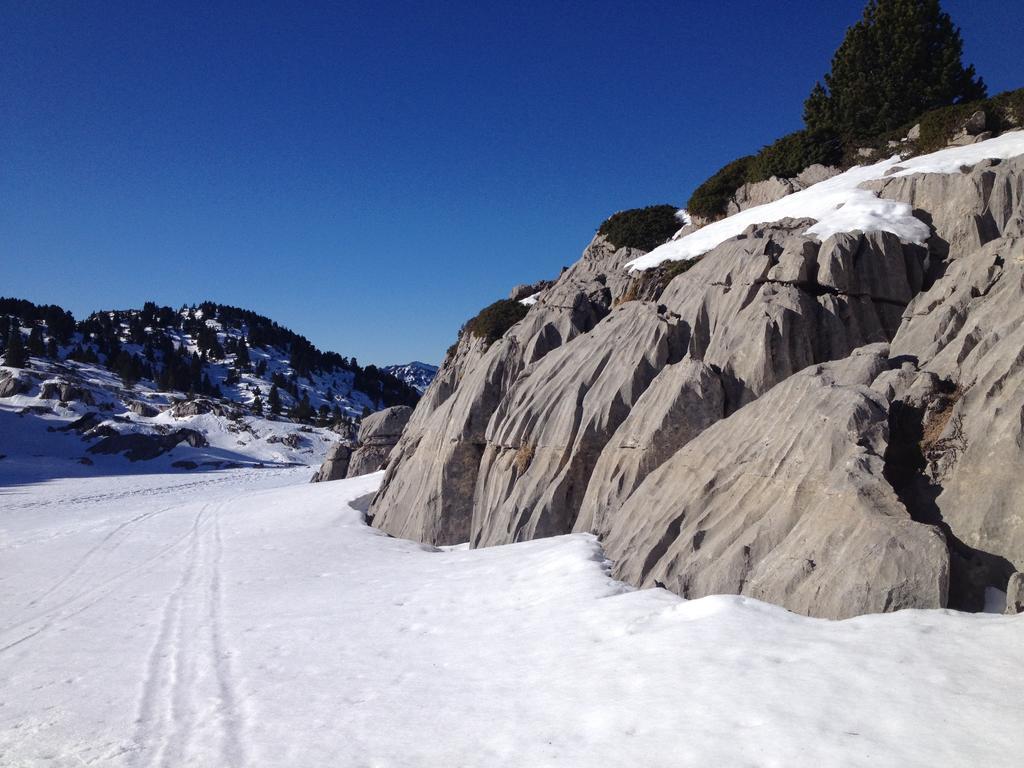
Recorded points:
(416, 374)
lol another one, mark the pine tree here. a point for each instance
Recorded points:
(302, 411)
(274, 400)
(15, 356)
(242, 357)
(257, 405)
(36, 345)
(52, 350)
(900, 60)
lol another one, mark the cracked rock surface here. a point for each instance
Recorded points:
(786, 501)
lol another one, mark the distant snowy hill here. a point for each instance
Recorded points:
(207, 385)
(416, 374)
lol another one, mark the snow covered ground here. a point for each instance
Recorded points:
(839, 204)
(249, 618)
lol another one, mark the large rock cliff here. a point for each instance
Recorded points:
(831, 426)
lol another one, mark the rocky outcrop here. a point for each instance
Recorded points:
(292, 439)
(974, 130)
(430, 482)
(964, 210)
(548, 432)
(525, 290)
(742, 427)
(755, 328)
(1015, 594)
(682, 401)
(65, 392)
(12, 384)
(195, 407)
(510, 454)
(83, 423)
(141, 447)
(335, 466)
(142, 409)
(773, 301)
(775, 188)
(786, 501)
(378, 434)
(427, 492)
(961, 414)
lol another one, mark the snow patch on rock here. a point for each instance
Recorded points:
(839, 204)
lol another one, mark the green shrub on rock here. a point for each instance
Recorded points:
(1009, 108)
(710, 199)
(1002, 112)
(493, 320)
(785, 158)
(791, 154)
(642, 228)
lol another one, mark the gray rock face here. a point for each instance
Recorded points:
(12, 384)
(65, 392)
(195, 407)
(427, 492)
(428, 489)
(503, 445)
(548, 431)
(378, 435)
(523, 290)
(384, 426)
(142, 409)
(786, 501)
(759, 311)
(682, 401)
(875, 266)
(138, 447)
(966, 335)
(335, 466)
(965, 210)
(1015, 594)
(775, 188)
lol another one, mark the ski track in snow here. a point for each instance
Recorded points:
(82, 596)
(189, 691)
(188, 706)
(248, 618)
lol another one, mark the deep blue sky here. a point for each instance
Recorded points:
(372, 174)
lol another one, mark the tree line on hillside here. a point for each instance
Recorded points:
(149, 344)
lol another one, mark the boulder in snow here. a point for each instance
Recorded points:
(335, 466)
(378, 434)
